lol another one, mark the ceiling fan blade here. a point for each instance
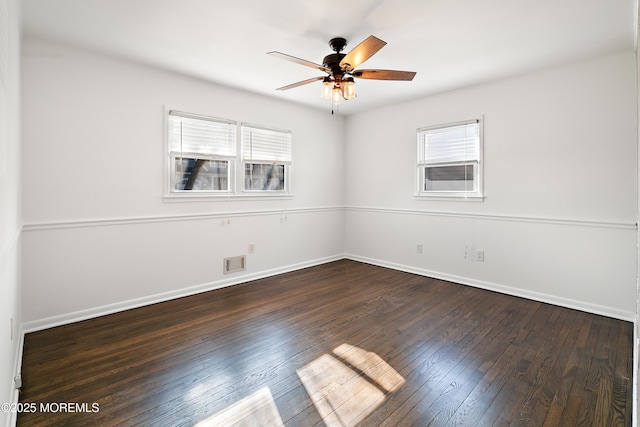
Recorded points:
(384, 74)
(299, 61)
(361, 53)
(304, 82)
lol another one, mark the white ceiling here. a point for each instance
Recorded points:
(449, 43)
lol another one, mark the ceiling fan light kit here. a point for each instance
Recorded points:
(340, 68)
(348, 88)
(327, 86)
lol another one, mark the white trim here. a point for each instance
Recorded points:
(449, 125)
(35, 226)
(77, 316)
(186, 115)
(449, 197)
(494, 217)
(168, 218)
(223, 196)
(521, 293)
(7, 252)
(12, 419)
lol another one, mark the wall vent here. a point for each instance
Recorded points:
(233, 264)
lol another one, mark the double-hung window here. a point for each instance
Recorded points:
(202, 151)
(450, 160)
(266, 159)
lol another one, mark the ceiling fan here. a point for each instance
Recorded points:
(340, 68)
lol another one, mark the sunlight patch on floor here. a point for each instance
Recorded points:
(371, 365)
(349, 385)
(256, 410)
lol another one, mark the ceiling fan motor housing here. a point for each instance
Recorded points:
(333, 62)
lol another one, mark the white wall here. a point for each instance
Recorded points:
(10, 315)
(98, 234)
(558, 220)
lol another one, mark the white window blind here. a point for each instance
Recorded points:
(449, 160)
(459, 143)
(263, 145)
(201, 135)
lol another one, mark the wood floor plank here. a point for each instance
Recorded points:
(622, 394)
(342, 343)
(499, 363)
(421, 366)
(447, 388)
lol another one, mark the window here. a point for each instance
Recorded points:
(205, 161)
(266, 158)
(201, 153)
(450, 160)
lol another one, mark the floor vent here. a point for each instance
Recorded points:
(233, 264)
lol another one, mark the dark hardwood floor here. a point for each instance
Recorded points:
(339, 344)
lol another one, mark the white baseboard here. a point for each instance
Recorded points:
(77, 316)
(12, 419)
(522, 293)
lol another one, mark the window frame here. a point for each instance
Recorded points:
(172, 153)
(278, 157)
(235, 166)
(477, 193)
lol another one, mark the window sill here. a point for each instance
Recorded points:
(449, 197)
(179, 197)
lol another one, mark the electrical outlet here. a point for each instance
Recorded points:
(471, 254)
(252, 248)
(419, 248)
